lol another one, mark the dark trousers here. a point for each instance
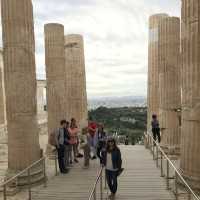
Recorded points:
(111, 177)
(86, 150)
(61, 157)
(156, 134)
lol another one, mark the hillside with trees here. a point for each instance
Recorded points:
(127, 121)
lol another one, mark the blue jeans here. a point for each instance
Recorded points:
(111, 177)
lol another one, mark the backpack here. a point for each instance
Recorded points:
(52, 138)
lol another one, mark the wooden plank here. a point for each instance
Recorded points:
(140, 180)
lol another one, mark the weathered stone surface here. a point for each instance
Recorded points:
(190, 137)
(2, 92)
(75, 79)
(55, 71)
(20, 83)
(169, 83)
(41, 98)
(153, 67)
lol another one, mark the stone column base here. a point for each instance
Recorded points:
(36, 178)
(171, 150)
(51, 151)
(193, 182)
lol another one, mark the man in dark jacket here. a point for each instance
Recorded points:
(60, 145)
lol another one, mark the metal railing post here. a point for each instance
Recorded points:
(101, 186)
(176, 186)
(56, 167)
(4, 192)
(156, 155)
(95, 194)
(29, 184)
(161, 164)
(44, 170)
(167, 178)
(105, 186)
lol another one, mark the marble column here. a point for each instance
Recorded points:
(20, 83)
(55, 72)
(2, 92)
(169, 83)
(76, 79)
(190, 135)
(153, 67)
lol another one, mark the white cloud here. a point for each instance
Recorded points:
(116, 39)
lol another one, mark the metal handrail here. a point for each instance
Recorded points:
(28, 171)
(169, 162)
(22, 172)
(94, 188)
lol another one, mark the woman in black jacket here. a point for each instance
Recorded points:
(113, 162)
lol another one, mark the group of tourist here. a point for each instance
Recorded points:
(66, 142)
(94, 143)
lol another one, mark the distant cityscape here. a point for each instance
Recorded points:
(112, 102)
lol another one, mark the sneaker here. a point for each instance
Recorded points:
(111, 196)
(64, 171)
(94, 157)
(75, 160)
(79, 155)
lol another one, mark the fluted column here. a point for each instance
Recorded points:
(153, 67)
(76, 79)
(169, 83)
(190, 135)
(20, 83)
(2, 92)
(55, 72)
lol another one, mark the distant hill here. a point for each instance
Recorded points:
(117, 102)
(127, 121)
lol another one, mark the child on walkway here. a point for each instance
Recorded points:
(86, 147)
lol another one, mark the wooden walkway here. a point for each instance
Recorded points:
(76, 185)
(140, 181)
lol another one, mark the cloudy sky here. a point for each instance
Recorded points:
(116, 39)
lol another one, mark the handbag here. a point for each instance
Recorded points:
(120, 171)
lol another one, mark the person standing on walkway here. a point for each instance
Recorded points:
(92, 128)
(73, 132)
(60, 138)
(67, 146)
(155, 128)
(113, 163)
(101, 140)
(84, 144)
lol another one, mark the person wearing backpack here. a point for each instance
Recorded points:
(60, 138)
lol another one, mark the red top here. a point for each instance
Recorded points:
(92, 127)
